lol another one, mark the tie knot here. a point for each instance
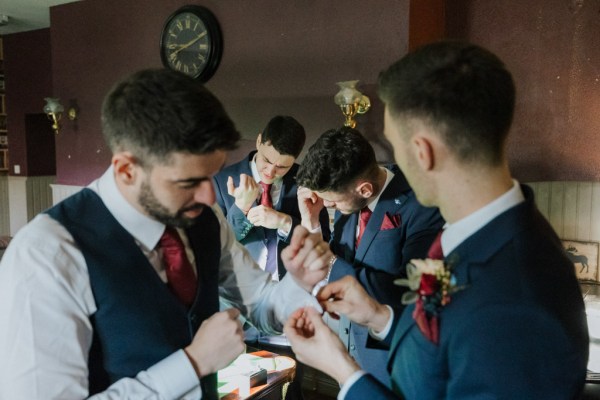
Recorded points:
(266, 186)
(170, 238)
(435, 250)
(365, 214)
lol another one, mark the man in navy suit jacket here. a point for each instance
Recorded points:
(340, 171)
(503, 316)
(264, 230)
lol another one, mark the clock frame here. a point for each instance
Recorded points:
(191, 42)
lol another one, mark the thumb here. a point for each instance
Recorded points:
(230, 187)
(314, 317)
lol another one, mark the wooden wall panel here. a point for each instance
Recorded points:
(573, 208)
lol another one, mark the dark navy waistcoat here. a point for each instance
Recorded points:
(138, 321)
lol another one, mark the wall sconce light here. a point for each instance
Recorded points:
(53, 109)
(351, 102)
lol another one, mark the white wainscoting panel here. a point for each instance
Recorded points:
(573, 208)
(27, 197)
(4, 206)
(61, 192)
(39, 194)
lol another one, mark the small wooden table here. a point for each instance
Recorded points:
(280, 372)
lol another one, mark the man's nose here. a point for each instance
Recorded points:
(270, 169)
(205, 193)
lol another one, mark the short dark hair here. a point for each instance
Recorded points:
(462, 90)
(336, 160)
(157, 112)
(285, 134)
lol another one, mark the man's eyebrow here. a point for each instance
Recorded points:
(276, 165)
(192, 180)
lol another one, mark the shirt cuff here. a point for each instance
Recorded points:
(315, 230)
(348, 384)
(382, 335)
(174, 376)
(283, 233)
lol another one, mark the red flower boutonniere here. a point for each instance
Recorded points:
(432, 284)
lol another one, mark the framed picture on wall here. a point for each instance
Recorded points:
(584, 256)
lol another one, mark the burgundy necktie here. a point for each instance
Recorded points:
(365, 214)
(435, 250)
(265, 197)
(180, 275)
(429, 324)
(270, 234)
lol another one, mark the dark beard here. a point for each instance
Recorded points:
(152, 206)
(358, 203)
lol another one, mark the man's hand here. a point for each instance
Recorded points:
(347, 296)
(310, 206)
(218, 341)
(307, 257)
(245, 194)
(315, 344)
(269, 218)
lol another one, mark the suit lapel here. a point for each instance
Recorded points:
(474, 252)
(390, 201)
(405, 323)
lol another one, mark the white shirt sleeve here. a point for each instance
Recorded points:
(349, 383)
(45, 330)
(244, 285)
(386, 330)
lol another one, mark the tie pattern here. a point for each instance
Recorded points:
(180, 275)
(365, 215)
(265, 197)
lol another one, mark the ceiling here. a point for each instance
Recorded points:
(26, 15)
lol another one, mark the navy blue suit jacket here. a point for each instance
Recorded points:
(381, 258)
(253, 237)
(517, 331)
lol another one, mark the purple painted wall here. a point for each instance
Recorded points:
(279, 58)
(28, 75)
(551, 46)
(285, 57)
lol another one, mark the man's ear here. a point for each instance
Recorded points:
(125, 166)
(365, 189)
(424, 152)
(258, 140)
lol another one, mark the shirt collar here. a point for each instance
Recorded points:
(456, 233)
(144, 229)
(389, 175)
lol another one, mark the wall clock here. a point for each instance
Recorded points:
(191, 42)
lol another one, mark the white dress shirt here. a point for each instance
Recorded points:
(453, 235)
(46, 303)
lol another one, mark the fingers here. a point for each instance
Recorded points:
(298, 326)
(233, 313)
(332, 290)
(300, 233)
(262, 216)
(313, 318)
(314, 254)
(306, 194)
(247, 182)
(230, 187)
